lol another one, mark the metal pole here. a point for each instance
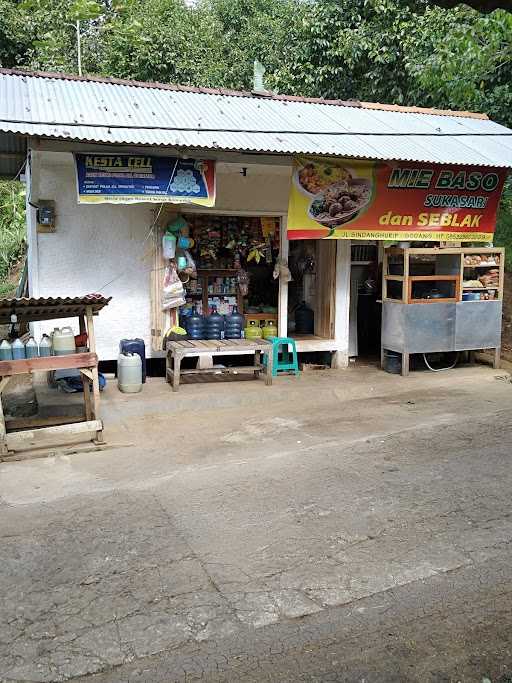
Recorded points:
(78, 47)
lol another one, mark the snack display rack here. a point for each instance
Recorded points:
(442, 300)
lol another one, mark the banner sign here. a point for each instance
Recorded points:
(127, 178)
(342, 199)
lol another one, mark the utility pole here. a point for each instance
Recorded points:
(78, 47)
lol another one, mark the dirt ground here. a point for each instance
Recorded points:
(340, 526)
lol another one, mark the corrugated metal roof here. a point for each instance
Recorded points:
(49, 308)
(148, 114)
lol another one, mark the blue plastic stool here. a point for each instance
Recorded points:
(282, 345)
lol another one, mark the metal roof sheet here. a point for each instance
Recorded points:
(50, 308)
(57, 106)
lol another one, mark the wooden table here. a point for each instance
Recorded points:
(177, 350)
(87, 363)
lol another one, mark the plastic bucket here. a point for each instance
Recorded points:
(392, 362)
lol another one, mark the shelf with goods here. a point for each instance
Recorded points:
(434, 275)
(231, 254)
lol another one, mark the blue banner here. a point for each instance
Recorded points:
(128, 178)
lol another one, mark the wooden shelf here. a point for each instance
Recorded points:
(71, 361)
(478, 289)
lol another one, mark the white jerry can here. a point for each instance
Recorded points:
(129, 373)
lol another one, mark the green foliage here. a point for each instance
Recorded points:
(399, 51)
(12, 229)
(503, 236)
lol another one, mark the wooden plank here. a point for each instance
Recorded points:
(31, 422)
(325, 288)
(73, 360)
(227, 370)
(282, 305)
(3, 432)
(20, 438)
(95, 380)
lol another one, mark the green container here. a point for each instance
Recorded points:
(253, 330)
(270, 329)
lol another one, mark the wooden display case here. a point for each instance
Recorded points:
(450, 265)
(426, 306)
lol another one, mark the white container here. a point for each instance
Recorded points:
(18, 349)
(129, 373)
(5, 350)
(168, 246)
(45, 346)
(31, 348)
(63, 341)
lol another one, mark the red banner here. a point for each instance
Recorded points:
(342, 199)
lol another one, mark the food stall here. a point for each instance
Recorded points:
(441, 300)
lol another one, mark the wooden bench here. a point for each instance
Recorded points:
(177, 350)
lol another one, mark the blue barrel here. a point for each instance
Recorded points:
(135, 346)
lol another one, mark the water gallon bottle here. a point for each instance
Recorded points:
(195, 325)
(45, 346)
(135, 346)
(214, 324)
(31, 348)
(63, 342)
(129, 373)
(5, 350)
(18, 350)
(234, 325)
(304, 319)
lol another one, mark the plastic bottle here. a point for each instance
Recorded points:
(64, 342)
(18, 350)
(5, 350)
(45, 346)
(31, 348)
(168, 246)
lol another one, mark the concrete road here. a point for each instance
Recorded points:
(324, 531)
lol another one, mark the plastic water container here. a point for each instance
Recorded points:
(168, 246)
(45, 346)
(63, 342)
(18, 350)
(5, 350)
(31, 348)
(129, 373)
(135, 346)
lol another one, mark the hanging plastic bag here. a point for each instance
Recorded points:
(172, 289)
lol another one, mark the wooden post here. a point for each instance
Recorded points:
(176, 370)
(405, 364)
(342, 303)
(3, 432)
(95, 379)
(282, 325)
(257, 363)
(406, 285)
(270, 365)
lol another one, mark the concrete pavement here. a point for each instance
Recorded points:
(347, 526)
